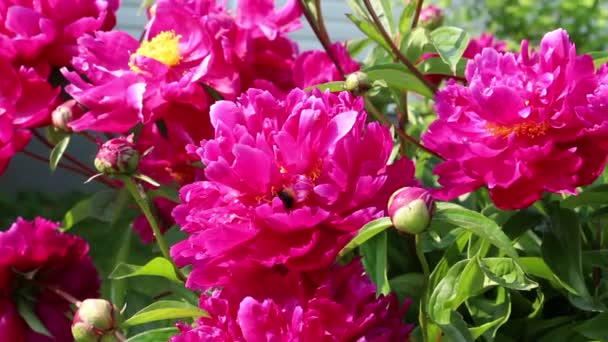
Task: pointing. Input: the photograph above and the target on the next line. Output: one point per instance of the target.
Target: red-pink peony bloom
(50, 258)
(289, 182)
(45, 31)
(515, 127)
(315, 67)
(339, 305)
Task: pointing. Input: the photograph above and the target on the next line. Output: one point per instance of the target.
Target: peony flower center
(529, 129)
(164, 47)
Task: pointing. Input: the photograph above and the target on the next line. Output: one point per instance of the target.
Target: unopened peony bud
(357, 83)
(65, 113)
(410, 209)
(117, 156)
(431, 17)
(95, 320)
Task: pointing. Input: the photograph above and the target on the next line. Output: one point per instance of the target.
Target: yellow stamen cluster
(164, 47)
(529, 129)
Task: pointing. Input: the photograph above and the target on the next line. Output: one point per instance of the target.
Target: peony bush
(422, 183)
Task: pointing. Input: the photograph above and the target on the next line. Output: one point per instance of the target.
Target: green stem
(425, 270)
(144, 203)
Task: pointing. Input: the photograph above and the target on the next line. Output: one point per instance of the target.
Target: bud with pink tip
(431, 17)
(95, 320)
(117, 156)
(411, 209)
(65, 113)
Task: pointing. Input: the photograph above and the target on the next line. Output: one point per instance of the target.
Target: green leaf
(599, 58)
(399, 77)
(489, 314)
(463, 280)
(155, 335)
(385, 14)
(158, 266)
(165, 309)
(370, 30)
(105, 206)
(405, 20)
(537, 267)
(597, 195)
(522, 221)
(26, 311)
(506, 272)
(408, 285)
(476, 223)
(331, 86)
(415, 43)
(595, 328)
(436, 66)
(58, 152)
(375, 261)
(118, 286)
(356, 46)
(450, 43)
(561, 250)
(367, 232)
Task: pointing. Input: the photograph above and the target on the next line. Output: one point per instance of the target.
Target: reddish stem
(412, 68)
(321, 33)
(65, 154)
(417, 13)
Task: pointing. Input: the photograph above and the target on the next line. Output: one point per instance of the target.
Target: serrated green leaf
(165, 309)
(155, 335)
(58, 151)
(399, 77)
(26, 311)
(367, 232)
(476, 223)
(158, 266)
(450, 43)
(375, 261)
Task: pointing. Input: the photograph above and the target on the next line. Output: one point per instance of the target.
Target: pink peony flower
(486, 40)
(187, 45)
(26, 95)
(515, 127)
(289, 182)
(315, 67)
(340, 305)
(46, 31)
(50, 258)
